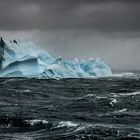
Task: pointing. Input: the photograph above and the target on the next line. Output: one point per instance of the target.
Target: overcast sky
(109, 29)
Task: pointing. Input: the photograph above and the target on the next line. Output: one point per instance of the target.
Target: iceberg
(24, 59)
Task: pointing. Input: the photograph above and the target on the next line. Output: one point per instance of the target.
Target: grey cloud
(99, 15)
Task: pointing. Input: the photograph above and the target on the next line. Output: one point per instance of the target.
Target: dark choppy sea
(70, 109)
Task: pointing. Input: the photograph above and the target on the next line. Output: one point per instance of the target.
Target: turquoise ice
(25, 59)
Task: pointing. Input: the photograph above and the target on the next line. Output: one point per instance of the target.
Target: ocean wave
(125, 94)
(91, 96)
(20, 122)
(38, 128)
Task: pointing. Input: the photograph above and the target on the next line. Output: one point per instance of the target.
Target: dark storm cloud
(100, 15)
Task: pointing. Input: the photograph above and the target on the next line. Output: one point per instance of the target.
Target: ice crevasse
(24, 59)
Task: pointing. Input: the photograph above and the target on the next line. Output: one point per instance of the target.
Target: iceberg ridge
(24, 59)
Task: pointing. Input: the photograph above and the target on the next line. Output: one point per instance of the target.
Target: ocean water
(70, 109)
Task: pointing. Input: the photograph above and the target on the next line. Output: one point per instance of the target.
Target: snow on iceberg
(24, 59)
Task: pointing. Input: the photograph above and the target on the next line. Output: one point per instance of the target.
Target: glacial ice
(24, 59)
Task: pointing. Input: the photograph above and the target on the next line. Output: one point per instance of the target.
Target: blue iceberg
(23, 59)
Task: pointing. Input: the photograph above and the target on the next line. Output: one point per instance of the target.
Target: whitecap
(123, 110)
(125, 94)
(67, 124)
(129, 94)
(114, 101)
(26, 90)
(114, 95)
(34, 122)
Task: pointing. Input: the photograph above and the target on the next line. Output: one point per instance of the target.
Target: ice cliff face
(24, 59)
